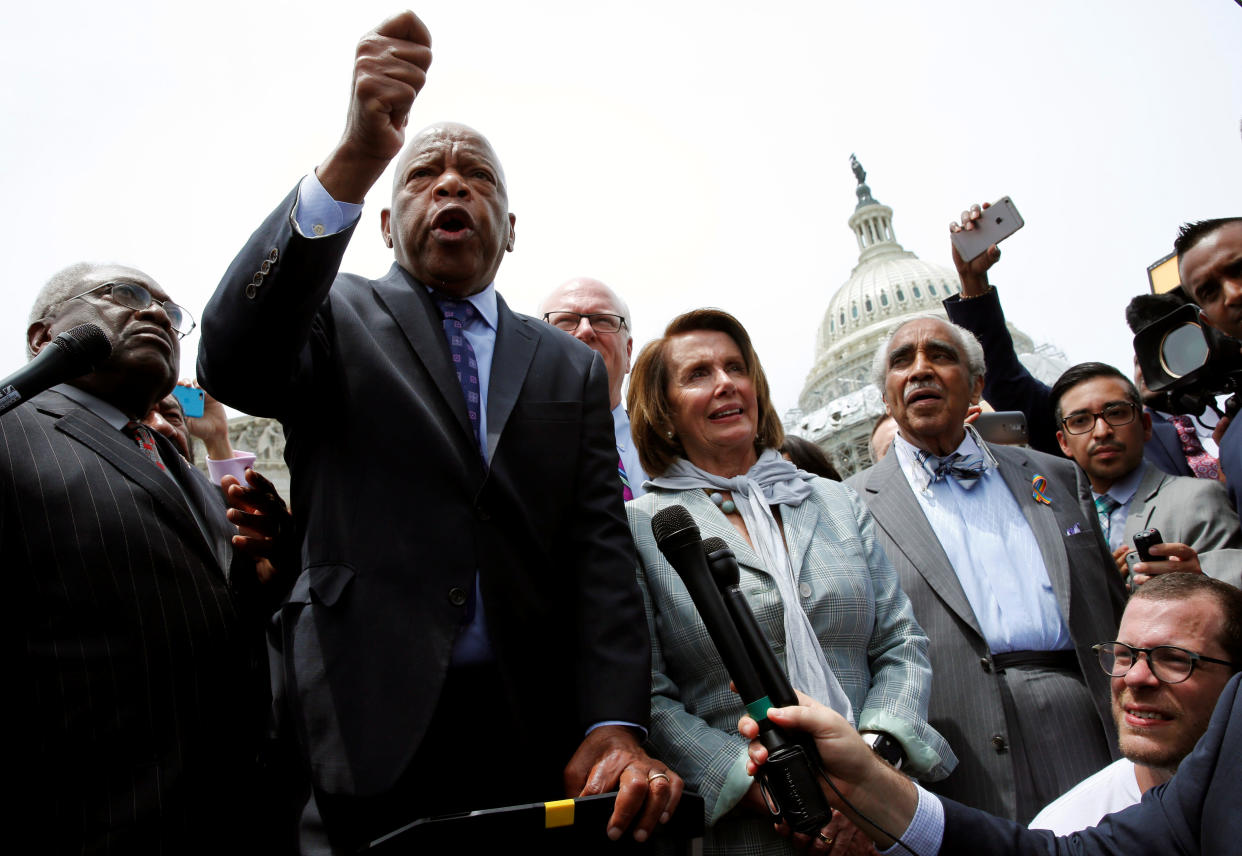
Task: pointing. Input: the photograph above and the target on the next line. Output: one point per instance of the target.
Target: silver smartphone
(1007, 427)
(1000, 220)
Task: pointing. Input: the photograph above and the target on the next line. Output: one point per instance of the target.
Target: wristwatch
(886, 747)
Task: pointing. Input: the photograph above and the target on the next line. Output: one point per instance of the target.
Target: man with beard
(1104, 428)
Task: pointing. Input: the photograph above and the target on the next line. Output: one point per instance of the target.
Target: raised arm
(1007, 385)
(259, 329)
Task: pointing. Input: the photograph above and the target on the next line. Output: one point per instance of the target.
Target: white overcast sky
(687, 153)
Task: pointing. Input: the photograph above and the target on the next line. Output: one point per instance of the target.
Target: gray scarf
(773, 481)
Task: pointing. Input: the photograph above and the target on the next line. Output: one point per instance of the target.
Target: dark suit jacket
(1196, 812)
(1231, 462)
(966, 705)
(141, 693)
(1009, 386)
(397, 511)
(1164, 449)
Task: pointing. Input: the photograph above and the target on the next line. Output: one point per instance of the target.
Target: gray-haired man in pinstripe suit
(1000, 552)
(141, 684)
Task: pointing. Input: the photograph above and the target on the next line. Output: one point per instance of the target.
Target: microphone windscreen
(87, 343)
(670, 521)
(714, 543)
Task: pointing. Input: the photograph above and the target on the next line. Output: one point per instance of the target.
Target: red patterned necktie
(1203, 465)
(142, 435)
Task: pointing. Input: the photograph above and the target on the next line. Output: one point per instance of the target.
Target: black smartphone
(1144, 541)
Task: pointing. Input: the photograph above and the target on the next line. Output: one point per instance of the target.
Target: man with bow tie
(1002, 557)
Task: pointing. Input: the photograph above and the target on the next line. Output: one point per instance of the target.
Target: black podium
(558, 828)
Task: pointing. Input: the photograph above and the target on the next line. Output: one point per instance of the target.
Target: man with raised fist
(467, 630)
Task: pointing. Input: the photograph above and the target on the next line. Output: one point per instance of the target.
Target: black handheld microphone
(789, 778)
(71, 354)
(723, 566)
(797, 772)
(677, 536)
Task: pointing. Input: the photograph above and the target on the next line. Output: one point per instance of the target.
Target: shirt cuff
(640, 729)
(735, 786)
(317, 215)
(925, 833)
(234, 466)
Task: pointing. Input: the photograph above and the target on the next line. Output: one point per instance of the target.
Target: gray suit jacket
(1190, 511)
(966, 703)
(858, 612)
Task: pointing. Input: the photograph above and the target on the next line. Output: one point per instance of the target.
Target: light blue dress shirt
(993, 552)
(1122, 491)
(626, 451)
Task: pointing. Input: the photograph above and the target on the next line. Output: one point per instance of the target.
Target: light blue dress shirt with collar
(626, 451)
(993, 552)
(1122, 491)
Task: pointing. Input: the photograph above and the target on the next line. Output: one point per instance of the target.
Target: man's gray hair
(965, 340)
(63, 285)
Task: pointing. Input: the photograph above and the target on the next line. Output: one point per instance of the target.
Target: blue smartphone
(191, 400)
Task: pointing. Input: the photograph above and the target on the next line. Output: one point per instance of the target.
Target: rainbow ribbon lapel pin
(1037, 489)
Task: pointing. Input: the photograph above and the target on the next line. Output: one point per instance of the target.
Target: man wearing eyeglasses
(1104, 428)
(595, 315)
(1179, 642)
(141, 682)
(1184, 450)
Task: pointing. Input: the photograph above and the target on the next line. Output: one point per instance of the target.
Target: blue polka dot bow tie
(967, 469)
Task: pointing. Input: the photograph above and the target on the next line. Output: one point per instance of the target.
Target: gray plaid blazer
(860, 614)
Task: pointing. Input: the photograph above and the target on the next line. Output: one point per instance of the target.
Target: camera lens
(1183, 350)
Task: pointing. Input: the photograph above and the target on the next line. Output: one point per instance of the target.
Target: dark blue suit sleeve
(1007, 384)
(1231, 461)
(1195, 813)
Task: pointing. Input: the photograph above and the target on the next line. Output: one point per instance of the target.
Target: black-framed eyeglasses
(1170, 664)
(1116, 414)
(134, 296)
(601, 322)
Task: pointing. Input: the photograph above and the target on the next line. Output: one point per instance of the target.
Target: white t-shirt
(1085, 804)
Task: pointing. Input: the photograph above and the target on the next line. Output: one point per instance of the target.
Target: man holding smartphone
(1103, 427)
(1009, 386)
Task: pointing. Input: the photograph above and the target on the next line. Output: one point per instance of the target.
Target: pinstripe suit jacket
(966, 704)
(862, 619)
(1189, 511)
(141, 692)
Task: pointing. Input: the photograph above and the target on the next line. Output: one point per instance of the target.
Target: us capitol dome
(839, 404)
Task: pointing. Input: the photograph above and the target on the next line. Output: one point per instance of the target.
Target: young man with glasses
(1102, 426)
(1179, 642)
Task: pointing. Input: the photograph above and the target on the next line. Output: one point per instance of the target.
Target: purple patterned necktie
(1202, 464)
(626, 493)
(457, 314)
(141, 435)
